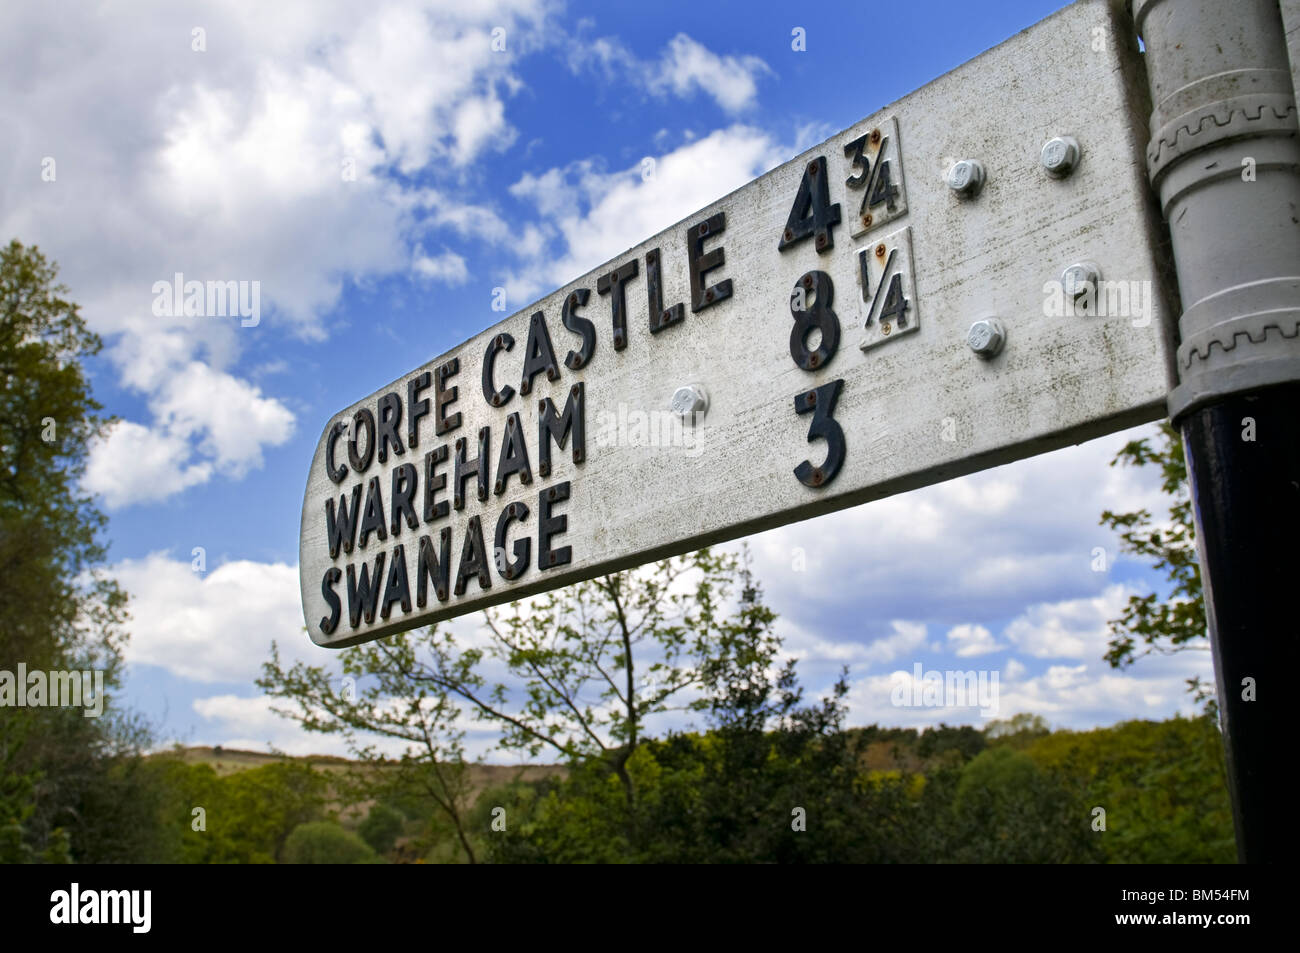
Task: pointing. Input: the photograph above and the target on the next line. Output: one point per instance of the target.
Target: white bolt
(966, 177)
(1080, 277)
(690, 402)
(1060, 155)
(986, 337)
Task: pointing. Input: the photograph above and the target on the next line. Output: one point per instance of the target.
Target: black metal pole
(1224, 158)
(1243, 458)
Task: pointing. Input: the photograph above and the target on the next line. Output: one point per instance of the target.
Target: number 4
(812, 213)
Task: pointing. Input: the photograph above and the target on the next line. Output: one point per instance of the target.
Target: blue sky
(479, 169)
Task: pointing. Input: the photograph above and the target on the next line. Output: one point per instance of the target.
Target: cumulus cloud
(596, 215)
(967, 640)
(134, 463)
(1074, 628)
(205, 421)
(685, 68)
(258, 147)
(215, 626)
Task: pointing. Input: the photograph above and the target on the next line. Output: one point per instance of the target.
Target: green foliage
(1162, 784)
(431, 775)
(64, 793)
(325, 842)
(1007, 810)
(245, 817)
(1149, 623)
(1018, 731)
(381, 828)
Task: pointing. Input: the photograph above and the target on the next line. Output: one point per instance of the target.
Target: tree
(381, 828)
(585, 668)
(376, 698)
(325, 842)
(1150, 624)
(58, 610)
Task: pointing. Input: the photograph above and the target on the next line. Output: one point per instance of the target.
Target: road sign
(965, 278)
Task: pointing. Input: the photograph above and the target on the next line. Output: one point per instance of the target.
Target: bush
(324, 842)
(381, 828)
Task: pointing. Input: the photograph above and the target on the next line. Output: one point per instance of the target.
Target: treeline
(1013, 793)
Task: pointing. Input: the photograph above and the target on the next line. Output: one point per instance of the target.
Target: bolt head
(966, 177)
(986, 337)
(689, 402)
(1079, 278)
(1060, 155)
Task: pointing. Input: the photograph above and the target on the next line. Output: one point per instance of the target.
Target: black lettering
(390, 416)
(553, 426)
(514, 456)
(416, 407)
(336, 474)
(820, 401)
(612, 284)
(522, 545)
(362, 419)
(660, 317)
(402, 498)
(578, 325)
(396, 588)
(372, 520)
(343, 529)
(444, 397)
(365, 595)
(434, 482)
(327, 583)
(433, 566)
(467, 468)
(473, 560)
(502, 342)
(703, 262)
(812, 215)
(538, 354)
(549, 526)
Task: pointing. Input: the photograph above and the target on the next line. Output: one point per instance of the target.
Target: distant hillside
(227, 761)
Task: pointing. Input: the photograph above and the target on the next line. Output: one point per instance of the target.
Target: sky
(379, 170)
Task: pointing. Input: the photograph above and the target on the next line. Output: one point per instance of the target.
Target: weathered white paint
(914, 411)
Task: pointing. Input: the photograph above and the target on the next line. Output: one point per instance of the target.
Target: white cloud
(687, 66)
(684, 68)
(265, 157)
(969, 640)
(907, 637)
(205, 421)
(1073, 628)
(215, 626)
(597, 215)
(134, 464)
(448, 267)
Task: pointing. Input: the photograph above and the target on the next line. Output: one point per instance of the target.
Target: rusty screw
(875, 137)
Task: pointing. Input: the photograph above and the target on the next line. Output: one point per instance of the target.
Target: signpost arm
(1224, 158)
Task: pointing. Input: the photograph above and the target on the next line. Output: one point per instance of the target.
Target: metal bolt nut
(1080, 277)
(986, 337)
(966, 177)
(1060, 155)
(690, 402)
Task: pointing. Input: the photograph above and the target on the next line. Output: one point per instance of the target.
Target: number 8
(817, 285)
